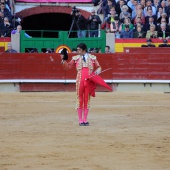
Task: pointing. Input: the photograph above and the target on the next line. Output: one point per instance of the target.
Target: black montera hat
(64, 52)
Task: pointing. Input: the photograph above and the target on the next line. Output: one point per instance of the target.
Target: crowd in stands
(125, 18)
(135, 18)
(8, 20)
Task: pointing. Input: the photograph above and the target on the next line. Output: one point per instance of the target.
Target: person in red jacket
(85, 64)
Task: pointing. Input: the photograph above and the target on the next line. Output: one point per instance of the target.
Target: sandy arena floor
(128, 131)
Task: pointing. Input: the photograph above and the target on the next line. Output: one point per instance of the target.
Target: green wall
(62, 39)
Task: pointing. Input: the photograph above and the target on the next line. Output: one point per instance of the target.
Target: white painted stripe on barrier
(73, 81)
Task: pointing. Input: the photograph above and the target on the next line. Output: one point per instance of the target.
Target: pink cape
(91, 82)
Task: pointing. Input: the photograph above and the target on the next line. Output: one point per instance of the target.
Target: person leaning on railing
(18, 30)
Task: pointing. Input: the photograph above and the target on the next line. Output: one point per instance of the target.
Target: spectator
(10, 50)
(164, 7)
(139, 33)
(93, 50)
(151, 22)
(138, 22)
(139, 14)
(1, 17)
(96, 2)
(110, 19)
(127, 21)
(148, 43)
(131, 5)
(34, 50)
(163, 21)
(119, 6)
(168, 9)
(149, 6)
(143, 3)
(125, 16)
(163, 15)
(124, 13)
(135, 11)
(16, 20)
(165, 44)
(151, 33)
(115, 27)
(81, 24)
(159, 14)
(49, 50)
(5, 11)
(127, 33)
(107, 49)
(150, 14)
(18, 30)
(107, 8)
(100, 50)
(6, 28)
(163, 33)
(156, 4)
(102, 4)
(7, 4)
(135, 4)
(94, 22)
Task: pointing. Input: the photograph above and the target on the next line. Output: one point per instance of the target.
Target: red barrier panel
(124, 66)
(147, 50)
(48, 66)
(42, 66)
(2, 49)
(141, 67)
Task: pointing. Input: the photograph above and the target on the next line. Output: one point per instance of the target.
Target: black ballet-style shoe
(81, 124)
(86, 124)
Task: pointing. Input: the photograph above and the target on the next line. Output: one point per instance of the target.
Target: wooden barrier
(2, 49)
(122, 43)
(146, 50)
(48, 70)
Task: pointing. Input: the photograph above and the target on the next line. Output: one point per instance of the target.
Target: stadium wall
(117, 45)
(43, 72)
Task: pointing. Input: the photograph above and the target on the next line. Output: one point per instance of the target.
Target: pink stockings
(84, 119)
(86, 111)
(83, 97)
(79, 111)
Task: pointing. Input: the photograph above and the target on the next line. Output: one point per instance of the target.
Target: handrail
(74, 81)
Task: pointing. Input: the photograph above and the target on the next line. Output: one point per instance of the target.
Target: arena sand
(128, 131)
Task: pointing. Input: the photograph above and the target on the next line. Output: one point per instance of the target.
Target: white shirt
(85, 55)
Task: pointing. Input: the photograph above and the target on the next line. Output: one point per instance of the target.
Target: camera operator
(80, 22)
(94, 21)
